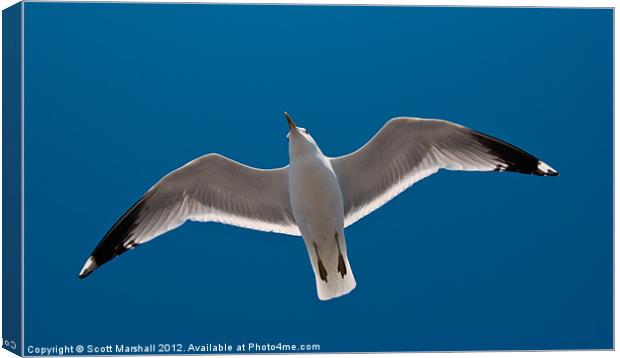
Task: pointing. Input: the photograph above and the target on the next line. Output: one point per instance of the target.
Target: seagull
(315, 196)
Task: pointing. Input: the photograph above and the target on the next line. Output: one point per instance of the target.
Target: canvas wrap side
(12, 178)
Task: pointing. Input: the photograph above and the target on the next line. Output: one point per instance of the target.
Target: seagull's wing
(407, 150)
(210, 188)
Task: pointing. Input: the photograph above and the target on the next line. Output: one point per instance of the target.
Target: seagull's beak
(291, 124)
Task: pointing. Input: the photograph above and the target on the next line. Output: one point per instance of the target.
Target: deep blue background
(117, 95)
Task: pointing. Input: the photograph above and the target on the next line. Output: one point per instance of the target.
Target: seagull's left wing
(407, 150)
(210, 188)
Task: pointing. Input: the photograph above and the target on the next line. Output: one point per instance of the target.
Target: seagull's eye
(305, 130)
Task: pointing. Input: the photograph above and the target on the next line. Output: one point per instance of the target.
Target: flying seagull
(315, 196)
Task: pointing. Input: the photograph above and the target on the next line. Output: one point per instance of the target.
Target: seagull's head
(299, 139)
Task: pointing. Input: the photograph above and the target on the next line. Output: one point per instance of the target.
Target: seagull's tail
(336, 285)
(332, 271)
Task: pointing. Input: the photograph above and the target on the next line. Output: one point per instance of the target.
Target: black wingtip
(115, 242)
(513, 159)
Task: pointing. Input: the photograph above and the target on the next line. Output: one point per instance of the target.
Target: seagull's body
(316, 196)
(316, 201)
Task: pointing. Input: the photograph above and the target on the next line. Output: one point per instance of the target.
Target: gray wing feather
(215, 188)
(407, 150)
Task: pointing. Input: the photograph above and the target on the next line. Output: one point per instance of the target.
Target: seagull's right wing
(210, 188)
(407, 150)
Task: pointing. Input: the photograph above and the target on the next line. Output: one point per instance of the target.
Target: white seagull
(315, 196)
